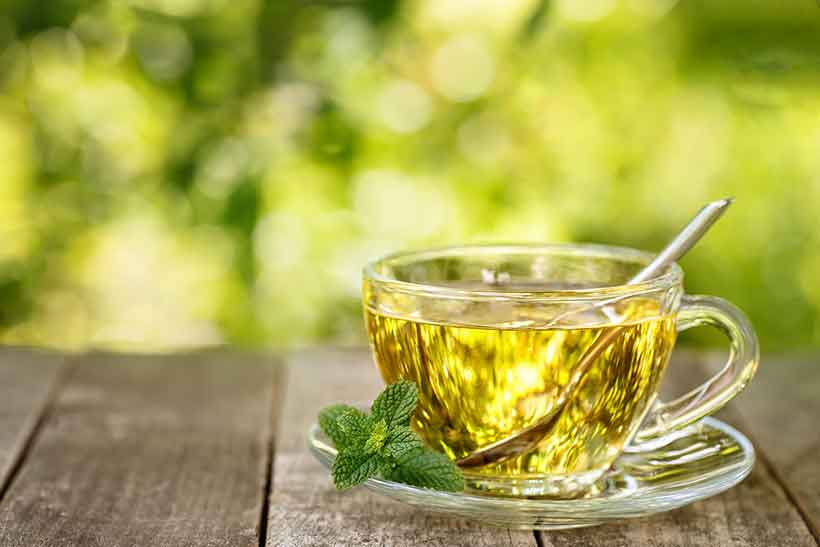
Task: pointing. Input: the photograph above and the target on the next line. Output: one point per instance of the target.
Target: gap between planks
(66, 365)
(780, 409)
(280, 378)
(736, 411)
(784, 486)
(305, 508)
(199, 415)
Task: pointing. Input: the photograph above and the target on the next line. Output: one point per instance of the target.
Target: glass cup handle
(722, 387)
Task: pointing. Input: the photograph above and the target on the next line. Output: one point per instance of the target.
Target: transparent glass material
(490, 335)
(693, 463)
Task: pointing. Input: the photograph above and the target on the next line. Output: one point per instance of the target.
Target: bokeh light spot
(463, 68)
(403, 106)
(391, 203)
(164, 50)
(220, 171)
(281, 241)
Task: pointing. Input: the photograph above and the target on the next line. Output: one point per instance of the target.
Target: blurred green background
(179, 173)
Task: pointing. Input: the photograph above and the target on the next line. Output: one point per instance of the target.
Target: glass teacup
(490, 334)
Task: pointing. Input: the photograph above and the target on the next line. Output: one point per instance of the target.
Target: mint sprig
(383, 444)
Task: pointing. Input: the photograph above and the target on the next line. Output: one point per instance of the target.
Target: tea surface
(477, 385)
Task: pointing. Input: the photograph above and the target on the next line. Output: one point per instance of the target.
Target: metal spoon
(526, 439)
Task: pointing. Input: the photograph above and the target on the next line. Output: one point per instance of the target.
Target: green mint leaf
(384, 444)
(356, 427)
(377, 438)
(328, 423)
(402, 439)
(353, 466)
(428, 469)
(396, 404)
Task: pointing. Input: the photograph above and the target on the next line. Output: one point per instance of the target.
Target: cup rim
(672, 277)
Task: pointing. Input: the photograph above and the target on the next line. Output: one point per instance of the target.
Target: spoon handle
(684, 241)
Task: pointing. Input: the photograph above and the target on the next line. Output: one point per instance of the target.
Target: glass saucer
(691, 464)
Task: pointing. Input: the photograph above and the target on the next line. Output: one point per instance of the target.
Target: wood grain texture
(755, 513)
(306, 510)
(150, 450)
(173, 451)
(27, 379)
(316, 378)
(781, 411)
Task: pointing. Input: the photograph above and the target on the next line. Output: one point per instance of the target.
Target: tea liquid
(479, 384)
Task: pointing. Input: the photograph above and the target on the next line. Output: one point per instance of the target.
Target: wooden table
(208, 449)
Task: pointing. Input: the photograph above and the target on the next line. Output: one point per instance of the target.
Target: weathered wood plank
(307, 511)
(781, 409)
(316, 378)
(757, 512)
(27, 380)
(305, 508)
(148, 450)
(754, 513)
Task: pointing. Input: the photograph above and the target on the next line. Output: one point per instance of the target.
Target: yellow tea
(479, 384)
